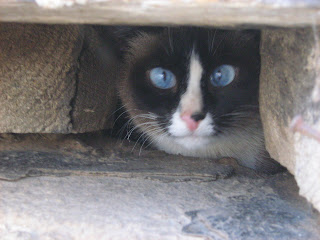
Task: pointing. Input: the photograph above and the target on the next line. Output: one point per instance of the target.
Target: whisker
(122, 128)
(160, 137)
(212, 41)
(142, 134)
(153, 132)
(170, 40)
(137, 126)
(219, 45)
(123, 106)
(147, 131)
(127, 124)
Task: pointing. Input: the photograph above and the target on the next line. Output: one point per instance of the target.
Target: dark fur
(146, 48)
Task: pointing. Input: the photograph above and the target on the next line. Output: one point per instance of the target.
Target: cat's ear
(247, 39)
(124, 34)
(252, 36)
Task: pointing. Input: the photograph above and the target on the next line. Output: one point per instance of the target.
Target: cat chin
(193, 142)
(255, 156)
(191, 146)
(232, 145)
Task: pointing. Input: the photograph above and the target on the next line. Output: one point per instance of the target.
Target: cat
(194, 91)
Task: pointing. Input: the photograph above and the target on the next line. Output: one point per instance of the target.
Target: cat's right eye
(162, 78)
(223, 75)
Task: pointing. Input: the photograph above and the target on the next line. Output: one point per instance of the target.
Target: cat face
(194, 91)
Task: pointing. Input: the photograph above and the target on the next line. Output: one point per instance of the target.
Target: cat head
(188, 85)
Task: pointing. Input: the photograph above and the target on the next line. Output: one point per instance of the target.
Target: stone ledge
(146, 205)
(289, 13)
(289, 78)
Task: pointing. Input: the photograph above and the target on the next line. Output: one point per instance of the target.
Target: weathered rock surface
(95, 98)
(60, 79)
(63, 187)
(289, 88)
(158, 12)
(51, 79)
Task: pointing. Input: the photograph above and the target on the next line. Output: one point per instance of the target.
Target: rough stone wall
(59, 79)
(95, 97)
(288, 89)
(42, 73)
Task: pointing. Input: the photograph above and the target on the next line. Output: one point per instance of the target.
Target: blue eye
(222, 75)
(162, 78)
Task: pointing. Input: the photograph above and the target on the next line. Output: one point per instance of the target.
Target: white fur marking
(202, 142)
(191, 100)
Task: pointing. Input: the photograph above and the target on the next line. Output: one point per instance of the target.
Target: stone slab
(289, 13)
(289, 89)
(38, 65)
(93, 199)
(55, 79)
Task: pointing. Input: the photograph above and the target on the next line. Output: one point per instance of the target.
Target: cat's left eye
(162, 78)
(223, 75)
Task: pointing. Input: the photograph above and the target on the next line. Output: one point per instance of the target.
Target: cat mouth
(192, 141)
(193, 135)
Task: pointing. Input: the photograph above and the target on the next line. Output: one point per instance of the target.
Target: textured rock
(63, 187)
(95, 98)
(43, 70)
(290, 66)
(38, 64)
(294, 13)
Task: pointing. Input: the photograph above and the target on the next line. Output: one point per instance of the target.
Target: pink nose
(190, 122)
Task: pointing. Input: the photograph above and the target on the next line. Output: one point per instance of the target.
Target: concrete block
(288, 89)
(51, 79)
